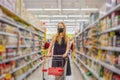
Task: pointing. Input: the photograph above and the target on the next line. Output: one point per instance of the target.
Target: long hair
(58, 37)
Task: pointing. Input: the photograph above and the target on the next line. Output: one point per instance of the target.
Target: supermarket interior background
(93, 28)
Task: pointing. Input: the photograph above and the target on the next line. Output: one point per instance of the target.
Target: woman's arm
(51, 45)
(68, 47)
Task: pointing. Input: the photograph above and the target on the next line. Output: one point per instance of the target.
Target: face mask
(60, 30)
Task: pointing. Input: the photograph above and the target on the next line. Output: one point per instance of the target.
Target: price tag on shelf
(2, 48)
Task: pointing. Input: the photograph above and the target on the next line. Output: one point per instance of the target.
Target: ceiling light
(35, 9)
(59, 16)
(70, 9)
(69, 20)
(43, 16)
(78, 16)
(83, 20)
(89, 9)
(52, 9)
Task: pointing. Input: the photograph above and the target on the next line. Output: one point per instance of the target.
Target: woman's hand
(65, 55)
(49, 55)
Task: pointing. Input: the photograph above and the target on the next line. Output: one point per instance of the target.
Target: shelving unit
(16, 16)
(89, 69)
(110, 67)
(28, 72)
(100, 46)
(23, 46)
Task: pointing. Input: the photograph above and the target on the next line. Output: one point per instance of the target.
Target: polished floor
(76, 75)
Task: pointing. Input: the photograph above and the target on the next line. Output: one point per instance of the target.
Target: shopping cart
(54, 66)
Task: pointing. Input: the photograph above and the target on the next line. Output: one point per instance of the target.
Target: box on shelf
(115, 18)
(118, 1)
(18, 7)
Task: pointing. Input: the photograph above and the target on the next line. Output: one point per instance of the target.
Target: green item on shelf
(101, 72)
(40, 53)
(89, 74)
(27, 58)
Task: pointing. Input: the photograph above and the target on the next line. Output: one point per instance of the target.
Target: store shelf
(14, 46)
(16, 25)
(26, 37)
(12, 23)
(110, 30)
(28, 72)
(11, 46)
(16, 58)
(16, 69)
(91, 25)
(82, 72)
(23, 46)
(17, 17)
(110, 67)
(37, 46)
(113, 9)
(97, 76)
(88, 47)
(8, 34)
(117, 49)
(109, 12)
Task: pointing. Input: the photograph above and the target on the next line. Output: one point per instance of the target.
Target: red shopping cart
(55, 65)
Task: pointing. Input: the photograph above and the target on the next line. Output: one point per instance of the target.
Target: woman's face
(60, 26)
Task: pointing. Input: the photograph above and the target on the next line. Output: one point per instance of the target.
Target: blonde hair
(58, 37)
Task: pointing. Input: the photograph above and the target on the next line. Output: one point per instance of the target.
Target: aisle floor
(76, 75)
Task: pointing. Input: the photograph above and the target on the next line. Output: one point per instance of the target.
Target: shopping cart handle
(57, 55)
(54, 56)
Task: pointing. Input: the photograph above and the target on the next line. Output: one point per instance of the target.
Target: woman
(60, 44)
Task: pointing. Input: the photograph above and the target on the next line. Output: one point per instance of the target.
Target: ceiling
(72, 12)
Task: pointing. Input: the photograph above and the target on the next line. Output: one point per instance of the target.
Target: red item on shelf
(1, 69)
(116, 77)
(46, 46)
(12, 62)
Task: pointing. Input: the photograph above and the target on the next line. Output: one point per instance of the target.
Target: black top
(59, 49)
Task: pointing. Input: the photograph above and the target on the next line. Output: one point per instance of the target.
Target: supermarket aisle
(75, 74)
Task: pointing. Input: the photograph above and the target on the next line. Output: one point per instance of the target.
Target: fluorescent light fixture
(45, 20)
(43, 15)
(83, 20)
(75, 16)
(89, 9)
(70, 9)
(56, 9)
(78, 16)
(52, 9)
(69, 20)
(55, 20)
(62, 16)
(59, 16)
(35, 9)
